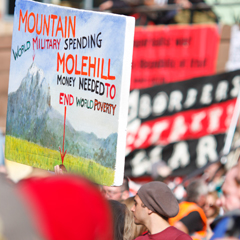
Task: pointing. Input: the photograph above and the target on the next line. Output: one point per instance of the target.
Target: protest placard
(68, 90)
(173, 53)
(187, 115)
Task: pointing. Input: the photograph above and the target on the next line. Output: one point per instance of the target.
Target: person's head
(117, 192)
(15, 218)
(196, 192)
(210, 208)
(122, 221)
(230, 200)
(154, 198)
(137, 230)
(62, 204)
(214, 172)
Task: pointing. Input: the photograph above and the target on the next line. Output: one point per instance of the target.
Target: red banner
(191, 124)
(173, 53)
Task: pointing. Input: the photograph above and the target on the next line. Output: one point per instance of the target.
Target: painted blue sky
(112, 28)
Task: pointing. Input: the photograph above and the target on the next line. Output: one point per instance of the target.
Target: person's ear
(125, 195)
(150, 211)
(201, 200)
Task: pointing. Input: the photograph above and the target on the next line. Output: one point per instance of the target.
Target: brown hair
(214, 194)
(118, 214)
(136, 230)
(122, 221)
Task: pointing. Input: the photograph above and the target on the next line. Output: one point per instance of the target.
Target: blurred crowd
(64, 206)
(60, 205)
(161, 11)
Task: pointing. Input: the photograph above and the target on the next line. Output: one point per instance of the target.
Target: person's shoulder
(221, 225)
(183, 236)
(180, 235)
(142, 237)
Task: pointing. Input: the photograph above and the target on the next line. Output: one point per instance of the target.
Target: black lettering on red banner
(173, 53)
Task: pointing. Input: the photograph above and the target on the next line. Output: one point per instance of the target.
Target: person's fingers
(106, 5)
(184, 3)
(56, 169)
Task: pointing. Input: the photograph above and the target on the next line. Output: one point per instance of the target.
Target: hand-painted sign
(66, 101)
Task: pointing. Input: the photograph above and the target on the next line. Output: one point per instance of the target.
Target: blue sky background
(112, 28)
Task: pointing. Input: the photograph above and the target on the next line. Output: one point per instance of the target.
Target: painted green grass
(31, 154)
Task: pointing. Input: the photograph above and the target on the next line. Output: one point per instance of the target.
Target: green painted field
(31, 154)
